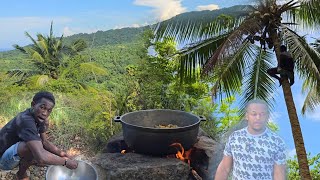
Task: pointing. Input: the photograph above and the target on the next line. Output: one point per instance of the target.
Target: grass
(82, 117)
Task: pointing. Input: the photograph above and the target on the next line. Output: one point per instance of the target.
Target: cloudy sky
(83, 16)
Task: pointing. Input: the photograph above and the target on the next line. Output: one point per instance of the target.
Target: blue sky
(83, 16)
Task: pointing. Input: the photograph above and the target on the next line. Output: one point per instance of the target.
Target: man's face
(257, 116)
(42, 109)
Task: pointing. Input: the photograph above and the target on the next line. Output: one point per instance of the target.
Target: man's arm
(47, 145)
(42, 156)
(224, 168)
(279, 172)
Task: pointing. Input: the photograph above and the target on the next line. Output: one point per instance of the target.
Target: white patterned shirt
(254, 155)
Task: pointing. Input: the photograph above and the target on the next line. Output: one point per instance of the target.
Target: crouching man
(23, 140)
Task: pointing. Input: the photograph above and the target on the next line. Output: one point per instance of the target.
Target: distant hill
(5, 49)
(110, 37)
(131, 35)
(128, 35)
(235, 11)
(115, 49)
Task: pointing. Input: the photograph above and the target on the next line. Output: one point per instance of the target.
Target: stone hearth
(133, 166)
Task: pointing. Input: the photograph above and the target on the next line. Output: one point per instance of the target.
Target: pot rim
(161, 129)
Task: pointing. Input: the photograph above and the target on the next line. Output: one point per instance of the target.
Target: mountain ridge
(132, 34)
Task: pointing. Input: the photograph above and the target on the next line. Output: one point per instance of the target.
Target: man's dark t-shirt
(21, 128)
(286, 61)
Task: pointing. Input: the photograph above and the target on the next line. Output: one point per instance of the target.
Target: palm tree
(235, 52)
(312, 99)
(47, 54)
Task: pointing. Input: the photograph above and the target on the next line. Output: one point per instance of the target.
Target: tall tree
(47, 54)
(228, 48)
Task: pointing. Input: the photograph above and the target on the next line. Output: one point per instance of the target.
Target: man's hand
(71, 164)
(66, 155)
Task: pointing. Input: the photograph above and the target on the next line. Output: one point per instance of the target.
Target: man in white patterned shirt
(254, 152)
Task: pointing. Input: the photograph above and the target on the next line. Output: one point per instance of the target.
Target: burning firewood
(182, 154)
(196, 175)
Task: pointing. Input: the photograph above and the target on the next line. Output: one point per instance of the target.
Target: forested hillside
(113, 75)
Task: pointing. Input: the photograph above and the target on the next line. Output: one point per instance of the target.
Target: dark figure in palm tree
(285, 66)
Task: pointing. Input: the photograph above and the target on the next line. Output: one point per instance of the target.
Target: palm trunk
(293, 117)
(296, 132)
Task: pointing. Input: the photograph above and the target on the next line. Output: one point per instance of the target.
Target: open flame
(181, 153)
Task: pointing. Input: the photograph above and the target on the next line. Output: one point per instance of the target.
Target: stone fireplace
(203, 159)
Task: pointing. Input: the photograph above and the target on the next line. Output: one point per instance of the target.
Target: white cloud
(132, 25)
(314, 115)
(67, 31)
(207, 7)
(163, 9)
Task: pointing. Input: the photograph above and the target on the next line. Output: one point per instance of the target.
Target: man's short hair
(43, 94)
(257, 101)
(283, 48)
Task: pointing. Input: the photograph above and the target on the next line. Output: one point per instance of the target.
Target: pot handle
(117, 119)
(202, 118)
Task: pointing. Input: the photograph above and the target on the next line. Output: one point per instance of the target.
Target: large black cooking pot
(141, 134)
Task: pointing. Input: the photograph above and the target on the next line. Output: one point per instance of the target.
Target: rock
(132, 166)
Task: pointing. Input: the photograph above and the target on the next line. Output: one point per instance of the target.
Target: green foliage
(47, 54)
(111, 37)
(12, 101)
(220, 117)
(97, 111)
(314, 165)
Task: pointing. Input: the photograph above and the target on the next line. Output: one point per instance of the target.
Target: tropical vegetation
(114, 72)
(236, 52)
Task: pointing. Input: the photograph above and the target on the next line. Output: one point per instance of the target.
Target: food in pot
(161, 126)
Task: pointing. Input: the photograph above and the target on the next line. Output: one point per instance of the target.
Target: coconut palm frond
(31, 38)
(91, 67)
(36, 56)
(21, 49)
(38, 80)
(309, 12)
(312, 100)
(229, 75)
(190, 28)
(78, 45)
(24, 74)
(220, 24)
(18, 72)
(290, 5)
(307, 60)
(47, 52)
(196, 54)
(257, 83)
(232, 43)
(43, 44)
